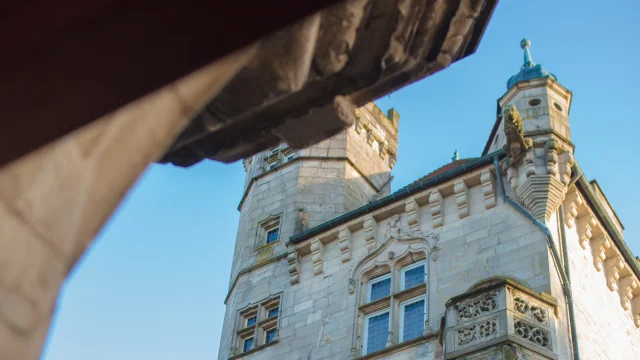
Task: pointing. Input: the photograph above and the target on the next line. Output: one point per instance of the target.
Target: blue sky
(153, 283)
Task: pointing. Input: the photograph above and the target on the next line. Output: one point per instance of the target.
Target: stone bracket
(435, 202)
(317, 256)
(370, 233)
(462, 198)
(412, 210)
(344, 239)
(487, 181)
(294, 267)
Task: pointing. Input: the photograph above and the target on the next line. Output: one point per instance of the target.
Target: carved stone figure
(516, 145)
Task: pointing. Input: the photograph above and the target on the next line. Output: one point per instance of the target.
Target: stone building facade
(511, 255)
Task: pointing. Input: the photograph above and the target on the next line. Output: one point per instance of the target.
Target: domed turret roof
(529, 69)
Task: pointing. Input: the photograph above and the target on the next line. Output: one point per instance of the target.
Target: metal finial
(525, 44)
(456, 156)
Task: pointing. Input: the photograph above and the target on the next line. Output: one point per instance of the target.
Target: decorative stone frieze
(370, 233)
(462, 198)
(487, 181)
(477, 306)
(626, 286)
(573, 201)
(586, 226)
(614, 265)
(599, 247)
(293, 268)
(412, 209)
(541, 194)
(344, 239)
(435, 202)
(316, 256)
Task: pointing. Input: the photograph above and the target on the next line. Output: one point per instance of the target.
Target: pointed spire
(456, 156)
(525, 44)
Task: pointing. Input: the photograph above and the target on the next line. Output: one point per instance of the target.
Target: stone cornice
(302, 158)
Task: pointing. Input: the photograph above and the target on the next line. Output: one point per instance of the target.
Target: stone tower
(288, 191)
(541, 106)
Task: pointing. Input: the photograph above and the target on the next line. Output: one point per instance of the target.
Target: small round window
(534, 102)
(557, 106)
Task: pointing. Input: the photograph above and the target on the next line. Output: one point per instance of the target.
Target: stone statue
(516, 145)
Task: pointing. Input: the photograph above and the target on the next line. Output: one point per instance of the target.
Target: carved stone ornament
(478, 306)
(483, 330)
(521, 305)
(516, 144)
(394, 230)
(352, 286)
(532, 333)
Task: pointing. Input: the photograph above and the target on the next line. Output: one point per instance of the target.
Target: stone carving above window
(532, 333)
(475, 307)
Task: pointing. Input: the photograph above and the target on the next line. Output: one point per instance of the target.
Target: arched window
(393, 301)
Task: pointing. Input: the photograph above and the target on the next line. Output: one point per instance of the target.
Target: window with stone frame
(394, 303)
(257, 326)
(268, 231)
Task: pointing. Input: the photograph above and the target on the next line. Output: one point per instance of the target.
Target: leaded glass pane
(413, 324)
(377, 332)
(270, 335)
(247, 344)
(414, 277)
(272, 312)
(272, 236)
(380, 289)
(251, 321)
